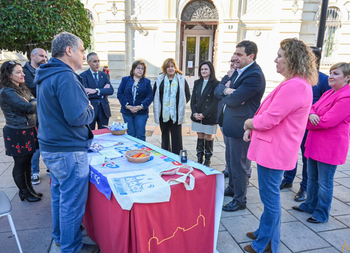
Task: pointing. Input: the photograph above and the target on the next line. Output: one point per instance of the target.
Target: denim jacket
(144, 95)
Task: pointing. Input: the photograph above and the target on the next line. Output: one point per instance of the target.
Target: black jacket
(243, 103)
(18, 113)
(102, 98)
(205, 103)
(29, 72)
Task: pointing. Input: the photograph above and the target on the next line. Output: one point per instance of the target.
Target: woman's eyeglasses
(14, 62)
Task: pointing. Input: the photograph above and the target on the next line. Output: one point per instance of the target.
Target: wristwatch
(98, 91)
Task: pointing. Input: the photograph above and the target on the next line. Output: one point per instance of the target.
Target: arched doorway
(199, 21)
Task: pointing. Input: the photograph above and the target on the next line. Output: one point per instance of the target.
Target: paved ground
(33, 220)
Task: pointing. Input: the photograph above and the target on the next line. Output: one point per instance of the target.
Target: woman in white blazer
(171, 93)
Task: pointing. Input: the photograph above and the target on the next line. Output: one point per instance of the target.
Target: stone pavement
(33, 220)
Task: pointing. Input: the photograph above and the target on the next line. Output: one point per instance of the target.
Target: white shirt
(240, 71)
(92, 73)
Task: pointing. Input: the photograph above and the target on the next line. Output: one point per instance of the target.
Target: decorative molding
(199, 10)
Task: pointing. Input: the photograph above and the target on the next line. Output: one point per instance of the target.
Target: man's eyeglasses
(231, 61)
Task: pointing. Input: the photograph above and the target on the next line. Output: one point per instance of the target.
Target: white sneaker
(35, 178)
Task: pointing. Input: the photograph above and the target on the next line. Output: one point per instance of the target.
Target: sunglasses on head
(14, 62)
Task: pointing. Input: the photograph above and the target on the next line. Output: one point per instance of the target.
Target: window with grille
(331, 36)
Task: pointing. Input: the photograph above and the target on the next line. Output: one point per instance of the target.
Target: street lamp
(114, 9)
(295, 7)
(322, 24)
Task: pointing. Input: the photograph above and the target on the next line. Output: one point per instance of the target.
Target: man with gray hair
(37, 57)
(64, 113)
(98, 87)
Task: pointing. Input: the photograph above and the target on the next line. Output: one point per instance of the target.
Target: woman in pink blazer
(276, 132)
(327, 143)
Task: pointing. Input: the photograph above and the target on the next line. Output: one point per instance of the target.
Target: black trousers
(175, 130)
(100, 118)
(238, 167)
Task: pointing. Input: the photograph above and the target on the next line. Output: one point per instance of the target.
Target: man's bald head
(38, 56)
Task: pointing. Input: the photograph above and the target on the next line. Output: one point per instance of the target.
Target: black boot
(32, 191)
(25, 194)
(30, 185)
(200, 150)
(21, 169)
(208, 152)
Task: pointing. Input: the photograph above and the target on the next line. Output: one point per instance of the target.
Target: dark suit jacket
(321, 87)
(29, 78)
(242, 103)
(89, 82)
(205, 103)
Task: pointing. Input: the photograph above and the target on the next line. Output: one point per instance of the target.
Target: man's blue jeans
(35, 162)
(319, 189)
(270, 221)
(69, 190)
(136, 125)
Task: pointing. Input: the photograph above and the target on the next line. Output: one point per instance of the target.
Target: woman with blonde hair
(327, 143)
(171, 94)
(276, 132)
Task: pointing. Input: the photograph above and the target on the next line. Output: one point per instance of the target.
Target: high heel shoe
(25, 194)
(33, 192)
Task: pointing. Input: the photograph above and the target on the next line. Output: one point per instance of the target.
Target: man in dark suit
(241, 96)
(98, 87)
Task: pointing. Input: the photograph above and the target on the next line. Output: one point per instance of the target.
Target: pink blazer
(328, 142)
(280, 125)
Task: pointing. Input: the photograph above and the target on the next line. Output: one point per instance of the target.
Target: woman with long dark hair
(19, 108)
(204, 107)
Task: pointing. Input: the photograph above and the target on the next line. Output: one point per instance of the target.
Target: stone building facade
(191, 31)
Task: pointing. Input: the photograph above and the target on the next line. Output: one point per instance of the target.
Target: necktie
(96, 81)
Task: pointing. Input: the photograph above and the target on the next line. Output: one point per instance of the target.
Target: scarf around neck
(169, 99)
